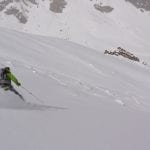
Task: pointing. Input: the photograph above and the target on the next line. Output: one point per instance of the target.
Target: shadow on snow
(16, 101)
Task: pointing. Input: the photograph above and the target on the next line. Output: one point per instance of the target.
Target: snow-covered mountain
(83, 99)
(76, 97)
(88, 22)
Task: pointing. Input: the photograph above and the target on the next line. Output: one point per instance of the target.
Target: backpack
(2, 74)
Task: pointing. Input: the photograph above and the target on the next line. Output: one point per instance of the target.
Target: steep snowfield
(86, 100)
(80, 22)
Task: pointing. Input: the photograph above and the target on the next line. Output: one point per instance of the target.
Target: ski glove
(18, 84)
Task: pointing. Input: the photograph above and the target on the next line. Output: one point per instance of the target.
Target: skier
(6, 77)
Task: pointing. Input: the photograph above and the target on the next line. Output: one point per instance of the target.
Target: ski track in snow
(77, 87)
(37, 104)
(19, 104)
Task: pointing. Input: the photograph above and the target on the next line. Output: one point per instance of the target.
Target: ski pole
(46, 106)
(32, 94)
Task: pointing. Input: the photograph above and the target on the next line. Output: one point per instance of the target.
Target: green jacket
(10, 77)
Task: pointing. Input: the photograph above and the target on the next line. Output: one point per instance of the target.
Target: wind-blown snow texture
(106, 99)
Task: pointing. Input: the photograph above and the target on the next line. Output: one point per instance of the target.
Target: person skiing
(6, 77)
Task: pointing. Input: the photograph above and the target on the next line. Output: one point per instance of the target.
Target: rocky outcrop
(140, 4)
(57, 6)
(17, 8)
(19, 15)
(4, 3)
(122, 52)
(103, 9)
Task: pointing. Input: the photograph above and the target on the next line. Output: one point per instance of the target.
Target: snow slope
(80, 22)
(86, 100)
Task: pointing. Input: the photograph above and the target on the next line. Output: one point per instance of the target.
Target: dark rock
(4, 3)
(57, 6)
(19, 15)
(122, 52)
(141, 4)
(103, 9)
